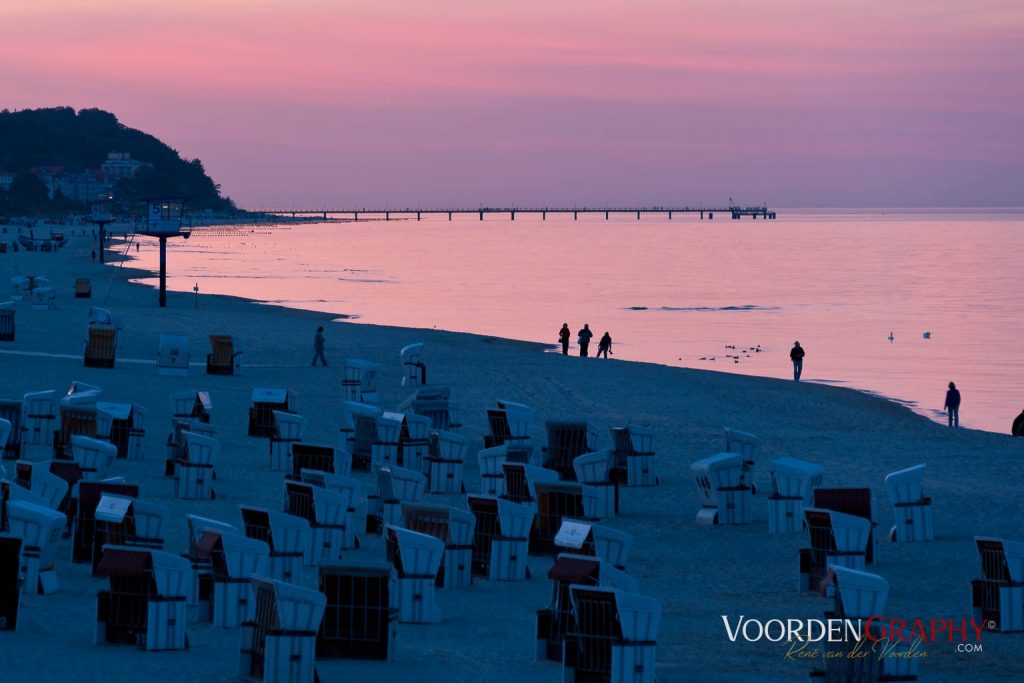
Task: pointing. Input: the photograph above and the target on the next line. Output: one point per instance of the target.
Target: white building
(120, 165)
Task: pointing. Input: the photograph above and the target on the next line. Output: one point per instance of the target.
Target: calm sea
(684, 292)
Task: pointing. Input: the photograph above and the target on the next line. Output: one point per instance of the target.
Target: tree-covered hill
(80, 141)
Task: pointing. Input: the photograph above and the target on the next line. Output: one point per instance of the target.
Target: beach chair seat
(852, 501)
(11, 411)
(997, 598)
(911, 509)
(172, 356)
(223, 356)
(613, 637)
(793, 484)
(38, 417)
(288, 429)
(7, 325)
(287, 535)
(40, 529)
(314, 456)
(388, 434)
(234, 559)
(589, 538)
(279, 644)
(75, 420)
(195, 471)
(83, 288)
(501, 538)
(351, 490)
(836, 539)
(556, 621)
(123, 425)
(416, 558)
(101, 346)
(492, 477)
(434, 403)
(725, 499)
(128, 522)
(595, 470)
(325, 511)
(363, 420)
(446, 462)
(359, 381)
(265, 401)
(84, 522)
(566, 441)
(395, 486)
(93, 456)
(414, 370)
(414, 443)
(454, 527)
(195, 404)
(511, 425)
(633, 446)
(358, 622)
(747, 445)
(146, 603)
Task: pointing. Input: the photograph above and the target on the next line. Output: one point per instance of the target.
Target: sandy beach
(699, 573)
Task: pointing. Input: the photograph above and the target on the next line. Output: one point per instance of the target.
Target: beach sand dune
(699, 573)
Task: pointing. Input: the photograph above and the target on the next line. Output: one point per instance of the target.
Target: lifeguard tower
(163, 220)
(101, 212)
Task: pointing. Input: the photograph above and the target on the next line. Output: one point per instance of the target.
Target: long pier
(734, 212)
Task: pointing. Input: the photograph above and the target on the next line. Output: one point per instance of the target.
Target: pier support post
(387, 215)
(575, 215)
(711, 216)
(163, 272)
(417, 215)
(638, 215)
(355, 215)
(544, 215)
(449, 216)
(513, 214)
(481, 215)
(670, 215)
(606, 215)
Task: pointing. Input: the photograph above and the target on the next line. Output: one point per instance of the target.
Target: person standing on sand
(563, 337)
(605, 345)
(1018, 425)
(796, 354)
(953, 405)
(318, 347)
(583, 339)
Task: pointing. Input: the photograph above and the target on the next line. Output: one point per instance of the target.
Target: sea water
(725, 295)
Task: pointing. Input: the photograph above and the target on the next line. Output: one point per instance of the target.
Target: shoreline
(698, 572)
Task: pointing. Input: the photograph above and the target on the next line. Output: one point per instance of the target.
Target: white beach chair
(416, 558)
(173, 355)
(283, 631)
(40, 529)
(414, 371)
(911, 509)
(446, 463)
(289, 428)
(793, 483)
(725, 499)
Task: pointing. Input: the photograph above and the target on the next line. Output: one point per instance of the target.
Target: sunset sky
(505, 102)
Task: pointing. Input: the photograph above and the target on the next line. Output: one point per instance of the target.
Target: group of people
(583, 337)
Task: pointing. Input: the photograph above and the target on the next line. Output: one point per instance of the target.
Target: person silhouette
(953, 405)
(563, 337)
(583, 339)
(318, 347)
(605, 345)
(1018, 425)
(796, 354)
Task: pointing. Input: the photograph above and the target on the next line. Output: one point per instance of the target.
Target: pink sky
(503, 102)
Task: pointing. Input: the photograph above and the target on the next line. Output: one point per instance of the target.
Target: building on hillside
(120, 165)
(85, 186)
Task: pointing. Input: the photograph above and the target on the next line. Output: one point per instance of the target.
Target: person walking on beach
(953, 405)
(583, 339)
(563, 337)
(605, 345)
(796, 354)
(318, 347)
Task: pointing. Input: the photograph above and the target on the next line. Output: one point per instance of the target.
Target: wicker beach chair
(223, 356)
(83, 288)
(101, 346)
(7, 327)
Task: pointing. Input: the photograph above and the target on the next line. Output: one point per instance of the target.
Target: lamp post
(163, 221)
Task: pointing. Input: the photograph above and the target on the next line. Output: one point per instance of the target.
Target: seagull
(891, 337)
(927, 335)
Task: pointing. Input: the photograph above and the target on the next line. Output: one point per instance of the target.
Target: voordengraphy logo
(877, 636)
